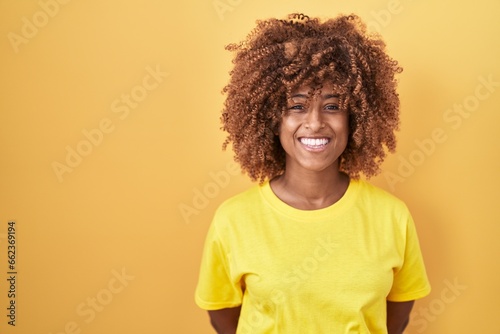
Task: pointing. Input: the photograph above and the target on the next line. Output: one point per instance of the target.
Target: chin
(320, 168)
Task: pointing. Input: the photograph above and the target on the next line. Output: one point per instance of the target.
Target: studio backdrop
(111, 164)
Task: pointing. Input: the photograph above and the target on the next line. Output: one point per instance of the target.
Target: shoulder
(377, 197)
(239, 205)
(241, 200)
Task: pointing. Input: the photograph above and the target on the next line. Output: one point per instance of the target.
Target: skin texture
(312, 179)
(225, 321)
(398, 316)
(302, 78)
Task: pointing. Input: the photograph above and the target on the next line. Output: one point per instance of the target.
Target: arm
(225, 321)
(398, 316)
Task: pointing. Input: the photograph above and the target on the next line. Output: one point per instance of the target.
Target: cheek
(287, 127)
(286, 136)
(340, 122)
(341, 130)
(342, 126)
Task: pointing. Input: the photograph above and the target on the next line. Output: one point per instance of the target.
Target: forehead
(308, 90)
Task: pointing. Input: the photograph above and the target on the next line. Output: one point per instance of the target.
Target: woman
(311, 106)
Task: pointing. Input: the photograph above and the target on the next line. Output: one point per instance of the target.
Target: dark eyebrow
(304, 96)
(325, 96)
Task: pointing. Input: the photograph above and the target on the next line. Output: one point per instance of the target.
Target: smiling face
(314, 130)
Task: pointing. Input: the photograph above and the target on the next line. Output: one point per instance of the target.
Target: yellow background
(119, 209)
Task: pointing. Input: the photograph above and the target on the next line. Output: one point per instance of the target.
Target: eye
(332, 107)
(297, 107)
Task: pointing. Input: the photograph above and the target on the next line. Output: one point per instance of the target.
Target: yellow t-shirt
(311, 271)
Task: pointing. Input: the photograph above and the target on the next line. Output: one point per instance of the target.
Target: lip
(314, 143)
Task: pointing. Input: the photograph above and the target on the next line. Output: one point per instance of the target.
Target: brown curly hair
(279, 56)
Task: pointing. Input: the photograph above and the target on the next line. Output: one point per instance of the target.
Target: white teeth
(315, 142)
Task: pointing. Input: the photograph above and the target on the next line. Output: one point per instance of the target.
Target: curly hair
(279, 56)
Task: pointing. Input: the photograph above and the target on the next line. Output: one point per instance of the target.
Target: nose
(314, 119)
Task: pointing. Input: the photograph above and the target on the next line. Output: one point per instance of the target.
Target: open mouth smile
(314, 144)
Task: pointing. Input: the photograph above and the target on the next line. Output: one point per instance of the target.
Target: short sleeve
(410, 280)
(216, 288)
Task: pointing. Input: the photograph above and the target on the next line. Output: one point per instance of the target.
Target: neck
(309, 190)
